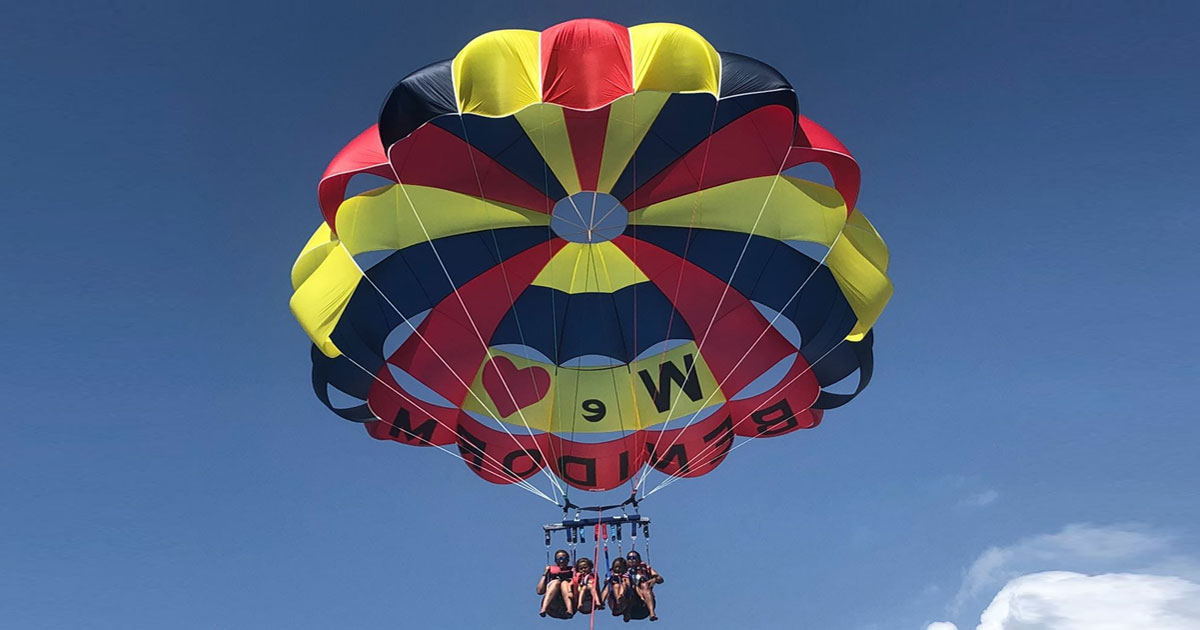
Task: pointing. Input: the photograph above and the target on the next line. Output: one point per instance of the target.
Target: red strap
(596, 558)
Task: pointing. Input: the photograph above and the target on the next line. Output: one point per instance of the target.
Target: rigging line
(637, 413)
(704, 451)
(768, 328)
(525, 485)
(511, 300)
(595, 569)
(724, 293)
(470, 319)
(570, 222)
(615, 205)
(578, 371)
(517, 481)
(421, 336)
(683, 260)
(613, 373)
(582, 229)
(557, 420)
(582, 232)
(571, 198)
(551, 438)
(679, 281)
(777, 315)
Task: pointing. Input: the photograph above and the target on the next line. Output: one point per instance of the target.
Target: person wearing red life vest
(555, 587)
(584, 586)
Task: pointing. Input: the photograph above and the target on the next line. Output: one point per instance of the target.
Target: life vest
(583, 579)
(562, 573)
(640, 573)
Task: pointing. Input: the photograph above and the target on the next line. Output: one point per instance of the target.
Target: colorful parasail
(590, 260)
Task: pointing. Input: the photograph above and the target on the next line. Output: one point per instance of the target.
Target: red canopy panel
(586, 63)
(362, 155)
(814, 143)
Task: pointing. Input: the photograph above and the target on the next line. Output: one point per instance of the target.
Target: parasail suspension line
(679, 282)
(779, 313)
(707, 449)
(521, 483)
(508, 289)
(700, 344)
(435, 352)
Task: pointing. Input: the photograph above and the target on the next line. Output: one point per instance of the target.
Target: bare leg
(568, 595)
(618, 591)
(552, 590)
(582, 598)
(581, 603)
(646, 592)
(618, 596)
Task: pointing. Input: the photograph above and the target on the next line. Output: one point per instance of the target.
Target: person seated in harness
(642, 578)
(558, 598)
(616, 587)
(584, 586)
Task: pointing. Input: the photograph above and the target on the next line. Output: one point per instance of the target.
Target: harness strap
(607, 562)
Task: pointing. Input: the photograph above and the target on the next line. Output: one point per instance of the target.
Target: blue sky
(166, 465)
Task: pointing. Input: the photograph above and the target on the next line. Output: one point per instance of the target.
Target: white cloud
(1078, 547)
(1060, 600)
(980, 499)
(1084, 577)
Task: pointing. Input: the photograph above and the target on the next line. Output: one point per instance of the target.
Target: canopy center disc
(589, 217)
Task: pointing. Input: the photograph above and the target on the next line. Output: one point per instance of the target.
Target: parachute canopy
(591, 259)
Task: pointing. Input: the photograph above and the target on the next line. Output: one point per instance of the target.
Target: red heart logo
(527, 386)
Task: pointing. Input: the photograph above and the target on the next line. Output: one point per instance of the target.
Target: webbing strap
(600, 533)
(607, 562)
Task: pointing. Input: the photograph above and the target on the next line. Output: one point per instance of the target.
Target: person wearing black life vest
(642, 578)
(616, 587)
(558, 598)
